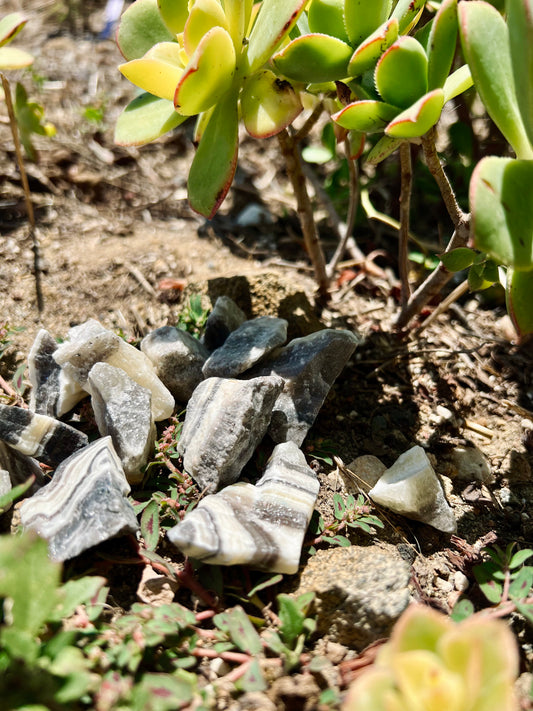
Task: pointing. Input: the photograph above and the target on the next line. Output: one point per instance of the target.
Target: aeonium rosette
(206, 58)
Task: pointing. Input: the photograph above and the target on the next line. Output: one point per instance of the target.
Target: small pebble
(460, 581)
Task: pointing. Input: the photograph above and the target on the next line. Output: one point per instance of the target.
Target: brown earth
(118, 242)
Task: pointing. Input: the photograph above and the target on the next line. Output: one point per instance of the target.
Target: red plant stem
(239, 657)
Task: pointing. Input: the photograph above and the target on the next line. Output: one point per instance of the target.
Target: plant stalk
(291, 155)
(353, 173)
(406, 173)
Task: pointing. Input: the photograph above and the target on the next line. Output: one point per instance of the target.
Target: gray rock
(91, 343)
(84, 504)
(53, 393)
(367, 469)
(263, 525)
(308, 366)
(225, 317)
(225, 421)
(5, 487)
(177, 358)
(21, 468)
(122, 411)
(411, 488)
(245, 346)
(48, 440)
(470, 464)
(360, 593)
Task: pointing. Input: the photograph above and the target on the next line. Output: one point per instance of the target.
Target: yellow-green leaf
(158, 72)
(174, 14)
(14, 58)
(418, 118)
(268, 104)
(10, 26)
(204, 15)
(146, 118)
(274, 21)
(369, 51)
(401, 73)
(327, 16)
(367, 116)
(314, 58)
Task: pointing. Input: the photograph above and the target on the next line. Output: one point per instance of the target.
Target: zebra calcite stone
(21, 467)
(84, 504)
(48, 440)
(91, 343)
(262, 525)
(308, 366)
(246, 346)
(225, 317)
(225, 421)
(178, 358)
(411, 488)
(53, 393)
(122, 410)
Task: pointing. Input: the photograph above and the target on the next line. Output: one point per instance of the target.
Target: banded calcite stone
(225, 317)
(411, 488)
(84, 504)
(21, 468)
(246, 346)
(91, 343)
(122, 410)
(263, 525)
(53, 393)
(225, 421)
(48, 440)
(178, 358)
(308, 366)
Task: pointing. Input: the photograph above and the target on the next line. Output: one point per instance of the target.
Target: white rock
(411, 488)
(471, 465)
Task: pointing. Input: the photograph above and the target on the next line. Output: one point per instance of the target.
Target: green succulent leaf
(441, 44)
(208, 75)
(214, 164)
(362, 18)
(238, 13)
(144, 119)
(13, 494)
(163, 692)
(520, 24)
(158, 72)
(371, 49)
(10, 25)
(314, 58)
(204, 15)
(418, 118)
(460, 80)
(458, 259)
(486, 47)
(408, 12)
(268, 104)
(141, 26)
(274, 21)
(174, 14)
(502, 223)
(150, 525)
(401, 73)
(237, 625)
(366, 116)
(383, 149)
(519, 294)
(327, 16)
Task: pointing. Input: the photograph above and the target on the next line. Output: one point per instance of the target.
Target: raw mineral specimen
(225, 317)
(225, 421)
(122, 410)
(53, 392)
(262, 525)
(84, 504)
(411, 488)
(308, 366)
(21, 467)
(48, 440)
(5, 486)
(91, 343)
(178, 358)
(246, 346)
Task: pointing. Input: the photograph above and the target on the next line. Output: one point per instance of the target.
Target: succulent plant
(12, 57)
(431, 663)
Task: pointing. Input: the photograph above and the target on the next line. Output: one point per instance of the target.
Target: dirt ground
(118, 243)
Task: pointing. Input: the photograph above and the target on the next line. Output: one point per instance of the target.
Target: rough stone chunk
(178, 359)
(5, 487)
(53, 392)
(48, 440)
(360, 593)
(122, 410)
(262, 525)
(21, 467)
(91, 343)
(308, 366)
(225, 317)
(84, 504)
(225, 421)
(411, 488)
(245, 346)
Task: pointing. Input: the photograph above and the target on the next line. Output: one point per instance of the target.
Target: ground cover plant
(78, 634)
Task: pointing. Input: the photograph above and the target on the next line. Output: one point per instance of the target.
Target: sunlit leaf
(327, 16)
(268, 104)
(10, 25)
(408, 12)
(237, 625)
(204, 15)
(174, 14)
(366, 116)
(158, 72)
(144, 119)
(441, 44)
(14, 58)
(371, 49)
(460, 80)
(274, 21)
(520, 24)
(314, 58)
(362, 18)
(401, 73)
(418, 118)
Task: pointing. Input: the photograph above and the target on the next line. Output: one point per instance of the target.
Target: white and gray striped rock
(84, 504)
(225, 317)
(21, 468)
(308, 366)
(53, 393)
(45, 438)
(263, 525)
(411, 488)
(225, 421)
(5, 485)
(122, 410)
(178, 358)
(91, 343)
(245, 346)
